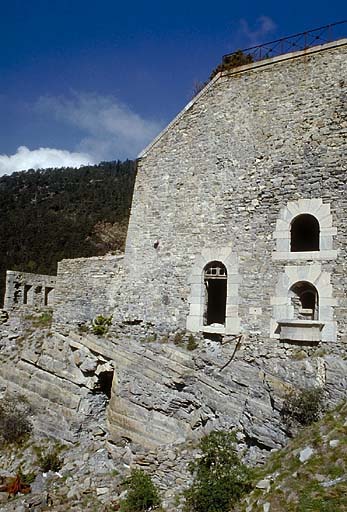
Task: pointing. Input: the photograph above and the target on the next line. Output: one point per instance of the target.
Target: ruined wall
(28, 291)
(85, 289)
(214, 186)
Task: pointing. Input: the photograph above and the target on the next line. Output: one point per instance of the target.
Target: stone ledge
(306, 255)
(300, 330)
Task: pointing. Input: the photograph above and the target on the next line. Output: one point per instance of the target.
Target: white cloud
(41, 158)
(264, 26)
(109, 129)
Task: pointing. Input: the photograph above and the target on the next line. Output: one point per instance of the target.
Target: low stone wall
(28, 291)
(84, 289)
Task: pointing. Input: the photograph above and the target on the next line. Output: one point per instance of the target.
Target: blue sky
(85, 81)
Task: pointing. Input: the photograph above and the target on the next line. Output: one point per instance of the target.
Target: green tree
(142, 493)
(220, 476)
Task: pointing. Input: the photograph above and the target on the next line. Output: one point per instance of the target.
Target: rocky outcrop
(131, 395)
(158, 392)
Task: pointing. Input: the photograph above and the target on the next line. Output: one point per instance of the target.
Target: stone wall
(85, 288)
(216, 185)
(28, 291)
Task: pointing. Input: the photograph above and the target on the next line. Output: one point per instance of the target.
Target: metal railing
(297, 42)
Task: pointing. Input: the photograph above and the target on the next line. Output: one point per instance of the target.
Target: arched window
(304, 233)
(304, 299)
(215, 281)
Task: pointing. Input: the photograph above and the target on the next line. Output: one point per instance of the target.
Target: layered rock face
(159, 392)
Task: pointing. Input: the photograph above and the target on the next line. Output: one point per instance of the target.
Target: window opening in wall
(27, 295)
(48, 295)
(304, 299)
(215, 280)
(304, 233)
(17, 293)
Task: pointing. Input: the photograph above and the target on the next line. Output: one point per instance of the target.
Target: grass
(297, 486)
(42, 321)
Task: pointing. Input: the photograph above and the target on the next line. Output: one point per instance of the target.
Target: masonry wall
(28, 291)
(214, 184)
(85, 289)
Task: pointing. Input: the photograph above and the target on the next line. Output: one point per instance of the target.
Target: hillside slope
(309, 474)
(48, 215)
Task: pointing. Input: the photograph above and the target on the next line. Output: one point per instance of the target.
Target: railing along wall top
(296, 42)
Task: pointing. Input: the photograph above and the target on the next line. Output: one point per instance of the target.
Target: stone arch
(195, 319)
(308, 209)
(305, 300)
(282, 304)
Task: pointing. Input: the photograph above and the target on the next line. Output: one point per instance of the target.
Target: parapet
(86, 287)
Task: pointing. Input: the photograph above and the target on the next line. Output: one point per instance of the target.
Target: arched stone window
(214, 292)
(303, 305)
(304, 299)
(215, 281)
(304, 233)
(304, 230)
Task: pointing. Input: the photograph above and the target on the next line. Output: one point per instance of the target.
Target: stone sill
(300, 330)
(305, 255)
(213, 329)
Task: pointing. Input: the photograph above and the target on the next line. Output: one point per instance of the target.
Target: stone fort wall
(255, 148)
(25, 291)
(85, 289)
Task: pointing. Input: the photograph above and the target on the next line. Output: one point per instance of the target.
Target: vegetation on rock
(15, 425)
(315, 483)
(220, 478)
(303, 407)
(100, 324)
(142, 493)
(50, 461)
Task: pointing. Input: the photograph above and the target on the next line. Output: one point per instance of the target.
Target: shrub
(192, 344)
(220, 478)
(26, 478)
(50, 461)
(238, 58)
(142, 493)
(100, 324)
(303, 407)
(14, 423)
(178, 339)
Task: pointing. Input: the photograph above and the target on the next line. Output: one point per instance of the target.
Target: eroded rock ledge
(147, 399)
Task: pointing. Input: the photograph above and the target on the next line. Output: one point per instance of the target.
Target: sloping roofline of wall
(241, 69)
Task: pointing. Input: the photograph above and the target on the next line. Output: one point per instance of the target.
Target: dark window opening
(48, 295)
(27, 296)
(105, 383)
(305, 233)
(304, 298)
(17, 296)
(215, 278)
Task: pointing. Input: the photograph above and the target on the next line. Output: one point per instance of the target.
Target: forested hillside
(48, 215)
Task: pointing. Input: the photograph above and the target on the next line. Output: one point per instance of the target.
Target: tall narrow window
(28, 294)
(215, 280)
(304, 233)
(48, 298)
(304, 299)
